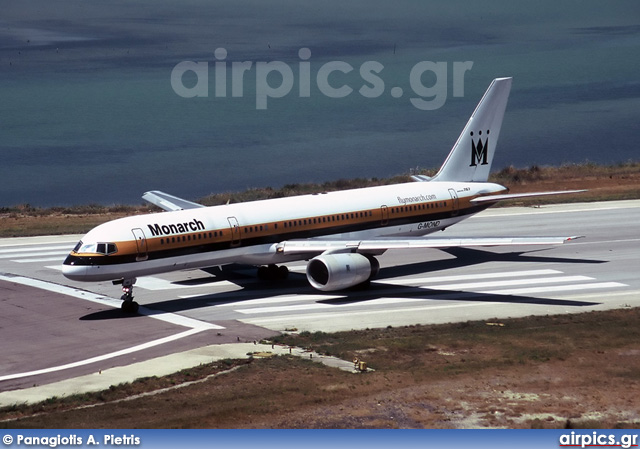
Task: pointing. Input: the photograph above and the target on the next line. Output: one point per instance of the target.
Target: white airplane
(339, 233)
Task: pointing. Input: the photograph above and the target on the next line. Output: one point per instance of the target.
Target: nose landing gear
(128, 304)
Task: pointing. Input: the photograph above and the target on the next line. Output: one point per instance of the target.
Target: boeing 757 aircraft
(339, 233)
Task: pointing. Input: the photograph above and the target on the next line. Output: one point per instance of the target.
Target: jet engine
(330, 272)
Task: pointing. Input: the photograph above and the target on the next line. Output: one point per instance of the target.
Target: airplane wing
(379, 246)
(168, 202)
(513, 196)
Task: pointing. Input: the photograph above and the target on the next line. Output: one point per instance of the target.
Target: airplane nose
(74, 272)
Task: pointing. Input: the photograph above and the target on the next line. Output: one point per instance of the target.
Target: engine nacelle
(332, 272)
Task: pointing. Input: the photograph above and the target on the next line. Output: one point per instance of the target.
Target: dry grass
(27, 221)
(570, 370)
(604, 182)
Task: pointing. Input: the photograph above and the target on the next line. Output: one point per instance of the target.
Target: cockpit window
(88, 248)
(96, 248)
(77, 247)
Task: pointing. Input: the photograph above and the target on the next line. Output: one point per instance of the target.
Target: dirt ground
(538, 372)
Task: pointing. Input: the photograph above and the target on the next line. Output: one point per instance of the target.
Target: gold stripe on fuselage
(332, 223)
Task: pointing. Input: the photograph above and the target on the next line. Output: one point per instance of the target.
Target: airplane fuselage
(252, 232)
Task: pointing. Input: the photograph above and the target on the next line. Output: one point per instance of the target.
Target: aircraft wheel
(263, 273)
(273, 273)
(283, 272)
(130, 307)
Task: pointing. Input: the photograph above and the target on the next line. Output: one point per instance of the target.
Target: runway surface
(52, 328)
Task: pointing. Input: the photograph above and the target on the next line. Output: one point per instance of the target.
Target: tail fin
(471, 156)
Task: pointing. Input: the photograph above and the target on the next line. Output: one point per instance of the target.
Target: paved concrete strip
(560, 208)
(160, 366)
(111, 302)
(464, 277)
(103, 357)
(62, 250)
(71, 240)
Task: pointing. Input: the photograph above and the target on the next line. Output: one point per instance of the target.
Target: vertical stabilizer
(471, 157)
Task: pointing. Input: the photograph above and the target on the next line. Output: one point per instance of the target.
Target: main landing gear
(273, 273)
(128, 304)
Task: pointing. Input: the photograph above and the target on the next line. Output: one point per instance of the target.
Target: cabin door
(454, 198)
(235, 231)
(385, 215)
(141, 244)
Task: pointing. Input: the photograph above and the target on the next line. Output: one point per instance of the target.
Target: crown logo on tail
(479, 150)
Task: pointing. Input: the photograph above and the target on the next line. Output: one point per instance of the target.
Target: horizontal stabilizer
(514, 196)
(168, 202)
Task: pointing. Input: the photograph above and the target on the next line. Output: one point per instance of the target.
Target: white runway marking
(32, 254)
(449, 296)
(66, 249)
(44, 259)
(370, 303)
(556, 288)
(103, 357)
(466, 277)
(35, 252)
(24, 242)
(474, 285)
(560, 209)
(320, 316)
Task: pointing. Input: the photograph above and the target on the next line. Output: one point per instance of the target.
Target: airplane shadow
(297, 284)
(465, 257)
(111, 314)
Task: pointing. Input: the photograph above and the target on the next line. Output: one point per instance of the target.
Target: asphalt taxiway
(53, 329)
